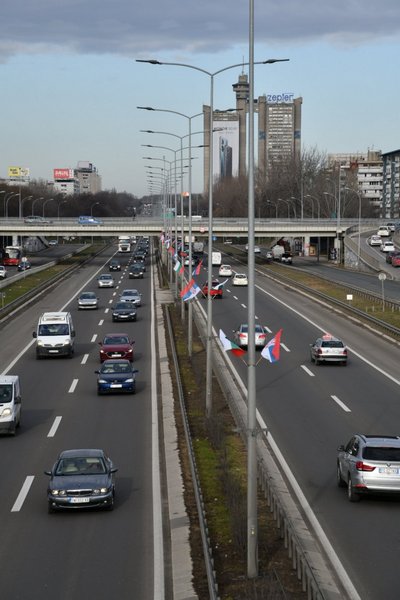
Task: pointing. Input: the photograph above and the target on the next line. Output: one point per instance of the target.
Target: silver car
(105, 281)
(88, 300)
(369, 464)
(328, 349)
(242, 337)
(132, 296)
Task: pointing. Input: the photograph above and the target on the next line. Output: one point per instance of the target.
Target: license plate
(53, 351)
(79, 500)
(116, 385)
(115, 355)
(389, 470)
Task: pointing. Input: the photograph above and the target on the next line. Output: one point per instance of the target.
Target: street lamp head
(145, 108)
(151, 61)
(270, 61)
(146, 131)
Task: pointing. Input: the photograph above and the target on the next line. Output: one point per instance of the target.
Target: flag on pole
(186, 288)
(219, 286)
(272, 350)
(192, 292)
(177, 266)
(229, 346)
(182, 269)
(196, 271)
(171, 249)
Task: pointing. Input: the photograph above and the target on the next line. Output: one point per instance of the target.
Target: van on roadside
(10, 403)
(55, 335)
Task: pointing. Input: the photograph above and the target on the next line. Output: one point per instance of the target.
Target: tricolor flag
(192, 292)
(272, 350)
(187, 287)
(229, 346)
(196, 271)
(177, 266)
(171, 249)
(220, 285)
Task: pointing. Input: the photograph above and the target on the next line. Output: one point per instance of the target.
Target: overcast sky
(70, 84)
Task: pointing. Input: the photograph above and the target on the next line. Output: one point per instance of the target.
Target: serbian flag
(177, 266)
(192, 292)
(229, 346)
(187, 287)
(272, 350)
(196, 271)
(220, 285)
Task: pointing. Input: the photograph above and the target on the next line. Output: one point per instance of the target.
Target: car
(242, 338)
(53, 242)
(105, 281)
(24, 265)
(387, 246)
(328, 349)
(3, 272)
(132, 296)
(396, 260)
(116, 345)
(375, 240)
(257, 249)
(215, 292)
(36, 219)
(124, 311)
(369, 464)
(82, 478)
(228, 241)
(390, 255)
(140, 260)
(383, 231)
(392, 226)
(286, 258)
(116, 375)
(114, 265)
(88, 300)
(136, 271)
(85, 220)
(240, 279)
(225, 271)
(269, 255)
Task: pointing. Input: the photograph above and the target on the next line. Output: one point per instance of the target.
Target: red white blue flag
(271, 351)
(192, 292)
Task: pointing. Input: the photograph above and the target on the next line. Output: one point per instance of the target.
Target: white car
(240, 279)
(225, 271)
(383, 231)
(257, 249)
(387, 246)
(3, 272)
(375, 240)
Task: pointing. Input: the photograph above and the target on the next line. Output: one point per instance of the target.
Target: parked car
(116, 376)
(240, 279)
(375, 240)
(3, 272)
(114, 265)
(369, 464)
(328, 349)
(81, 479)
(88, 300)
(105, 281)
(215, 291)
(131, 296)
(116, 345)
(136, 271)
(124, 311)
(387, 246)
(225, 271)
(241, 336)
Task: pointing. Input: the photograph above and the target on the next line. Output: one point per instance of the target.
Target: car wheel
(110, 506)
(351, 493)
(50, 508)
(339, 479)
(317, 362)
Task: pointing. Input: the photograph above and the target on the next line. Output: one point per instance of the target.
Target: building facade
(84, 179)
(391, 184)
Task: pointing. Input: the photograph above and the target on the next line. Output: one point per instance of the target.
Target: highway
(78, 554)
(311, 410)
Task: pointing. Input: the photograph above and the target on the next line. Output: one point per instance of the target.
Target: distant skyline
(70, 83)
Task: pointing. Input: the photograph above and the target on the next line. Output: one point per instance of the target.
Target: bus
(12, 256)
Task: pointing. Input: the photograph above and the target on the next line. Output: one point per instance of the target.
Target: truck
(277, 251)
(198, 247)
(124, 243)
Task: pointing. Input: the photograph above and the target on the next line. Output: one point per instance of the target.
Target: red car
(396, 260)
(116, 345)
(217, 292)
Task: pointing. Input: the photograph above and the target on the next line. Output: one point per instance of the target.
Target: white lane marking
(54, 427)
(73, 386)
(114, 293)
(84, 359)
(307, 370)
(101, 322)
(23, 493)
(285, 347)
(244, 306)
(228, 290)
(268, 329)
(110, 301)
(94, 338)
(236, 298)
(341, 404)
(106, 311)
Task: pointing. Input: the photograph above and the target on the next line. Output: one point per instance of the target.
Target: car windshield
(5, 392)
(332, 344)
(110, 368)
(54, 329)
(124, 306)
(116, 340)
(383, 454)
(80, 466)
(259, 329)
(88, 296)
(244, 328)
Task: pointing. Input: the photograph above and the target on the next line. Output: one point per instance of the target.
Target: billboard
(18, 172)
(225, 149)
(63, 173)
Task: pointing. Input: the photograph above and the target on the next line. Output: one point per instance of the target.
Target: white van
(216, 259)
(55, 335)
(10, 403)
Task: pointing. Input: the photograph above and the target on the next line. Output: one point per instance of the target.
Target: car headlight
(66, 343)
(102, 381)
(129, 380)
(57, 492)
(98, 491)
(40, 343)
(6, 412)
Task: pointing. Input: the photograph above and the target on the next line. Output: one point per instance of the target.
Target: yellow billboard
(17, 172)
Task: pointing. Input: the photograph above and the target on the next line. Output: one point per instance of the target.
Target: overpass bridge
(152, 226)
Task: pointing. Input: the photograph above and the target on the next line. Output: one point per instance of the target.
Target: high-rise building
(391, 184)
(88, 178)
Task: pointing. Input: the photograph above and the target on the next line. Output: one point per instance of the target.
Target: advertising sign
(282, 98)
(225, 149)
(18, 172)
(63, 173)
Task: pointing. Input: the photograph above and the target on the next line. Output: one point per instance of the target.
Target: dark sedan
(114, 265)
(24, 265)
(116, 376)
(116, 345)
(81, 479)
(136, 271)
(124, 311)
